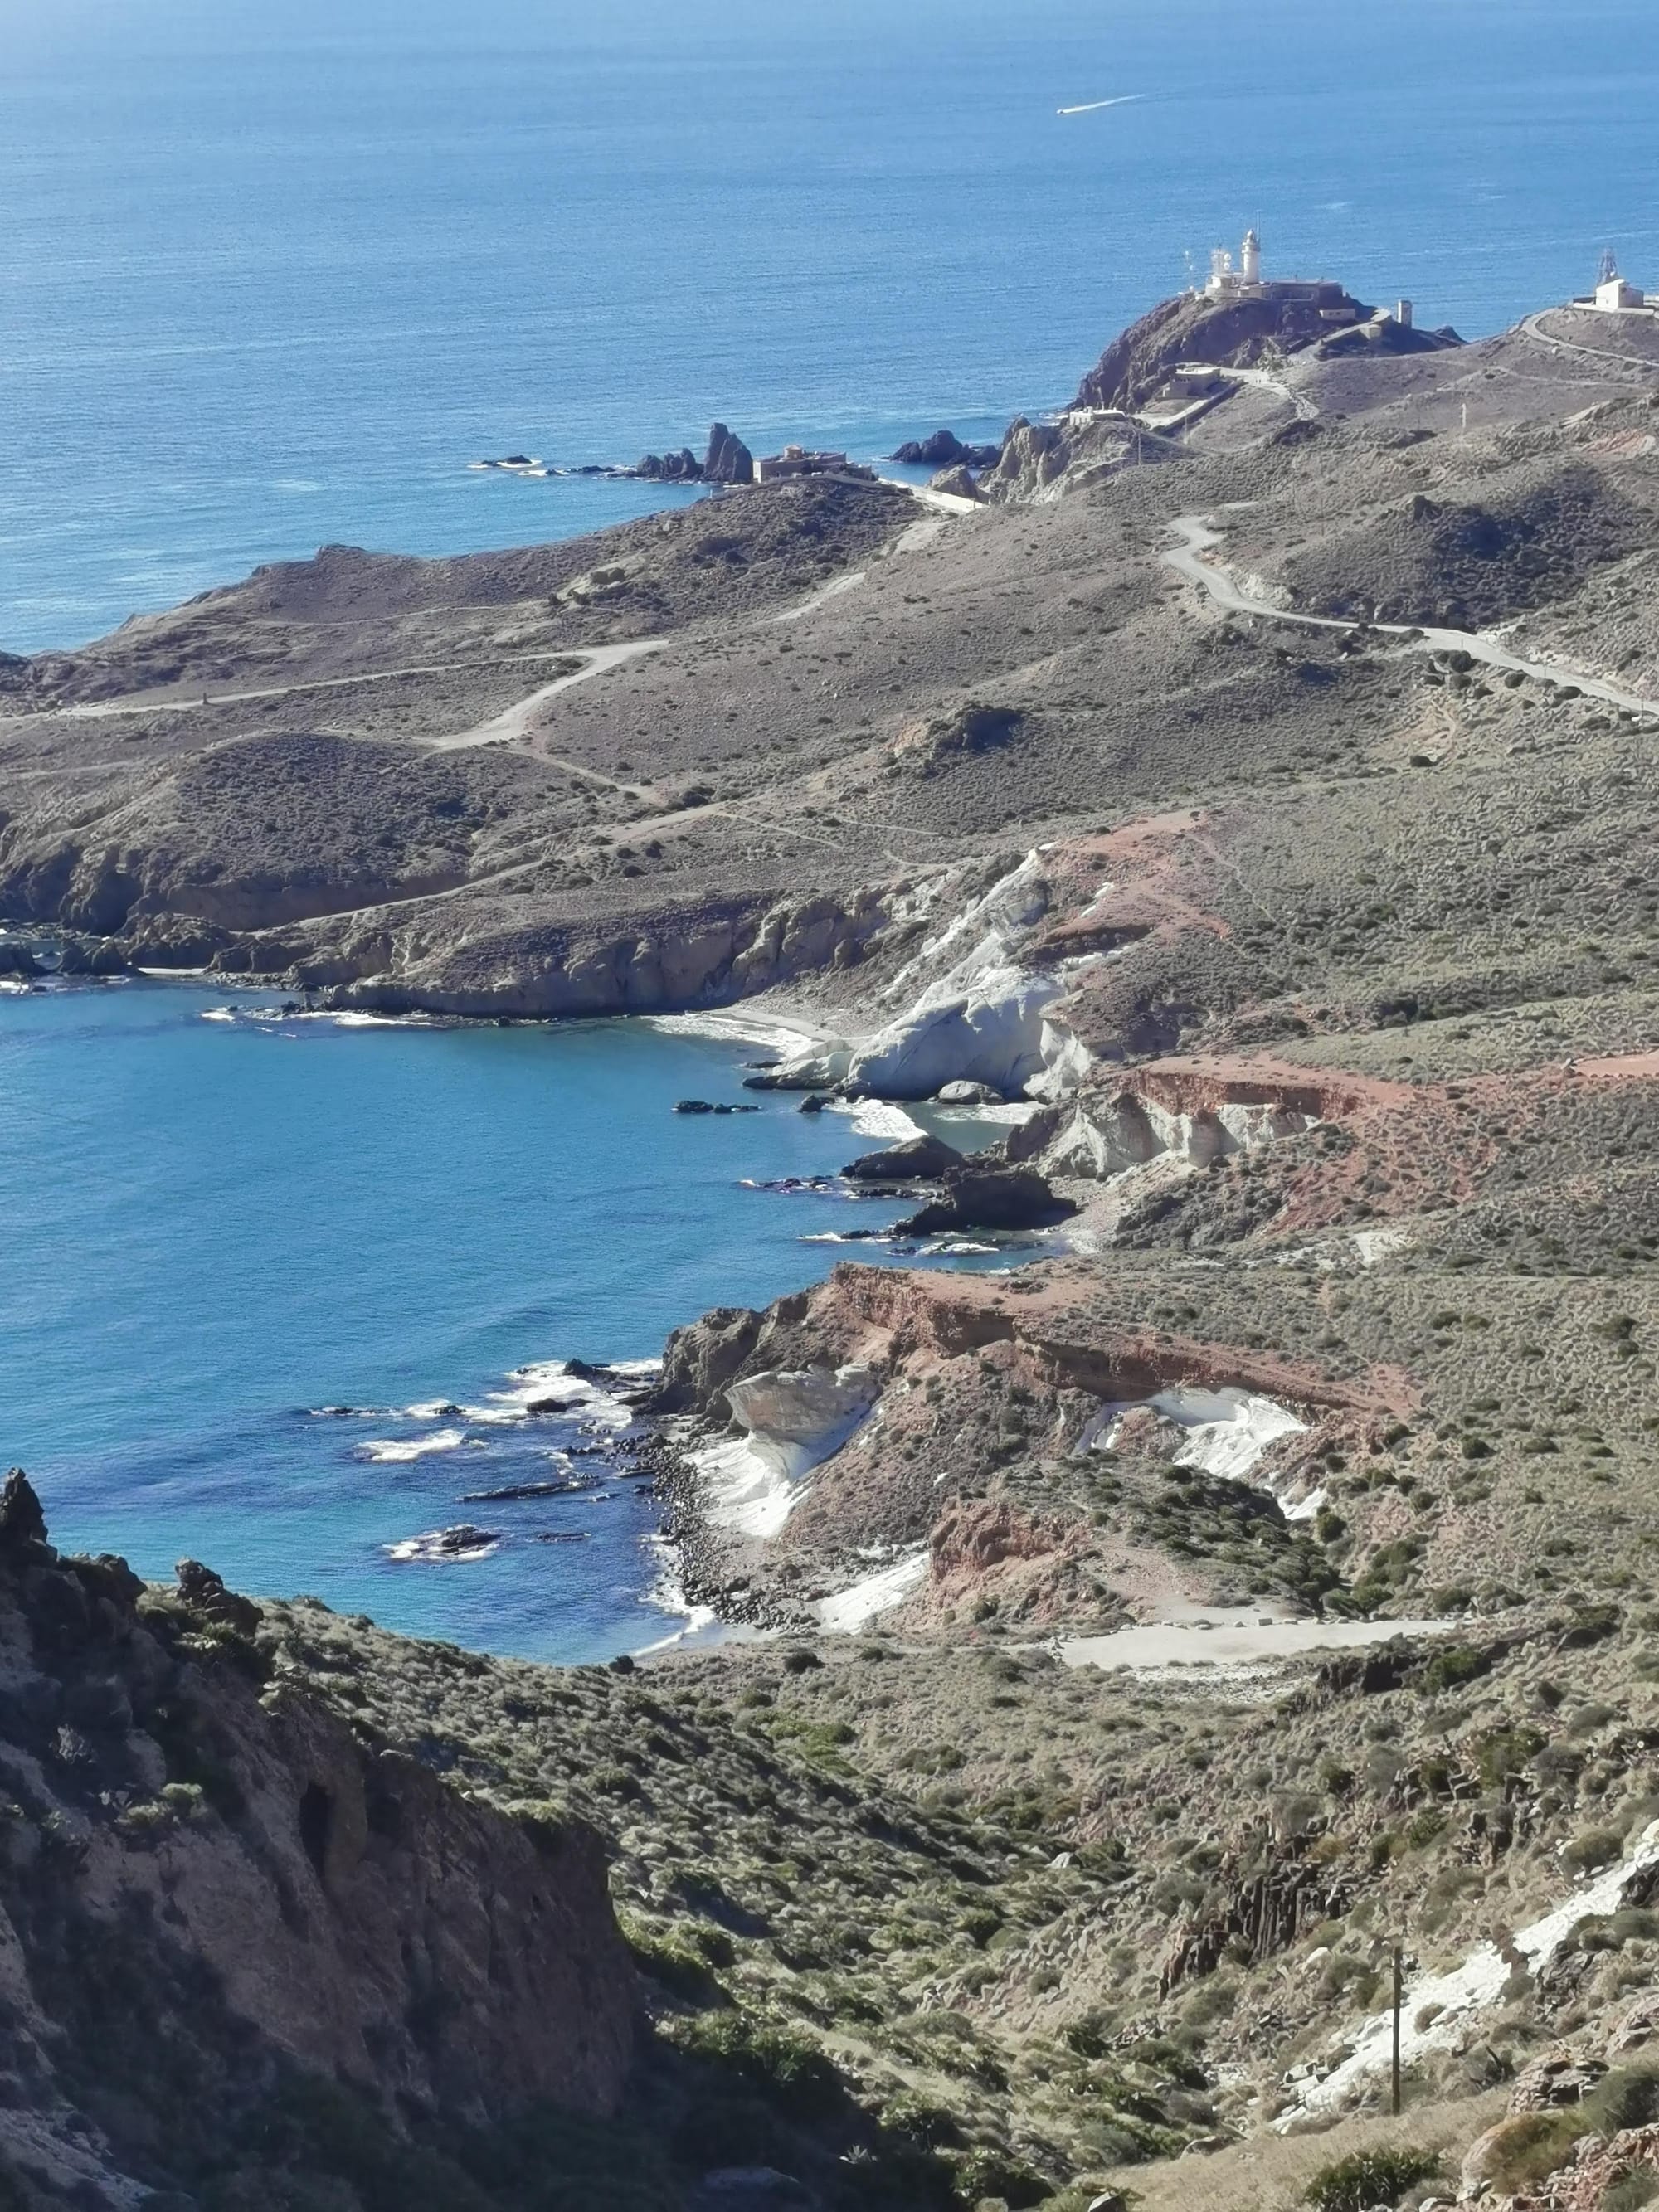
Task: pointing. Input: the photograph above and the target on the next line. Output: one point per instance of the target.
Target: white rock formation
(991, 1033)
(793, 1420)
(1224, 1431)
(850, 1608)
(1443, 2012)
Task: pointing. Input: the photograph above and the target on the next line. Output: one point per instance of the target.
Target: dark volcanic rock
(1231, 333)
(944, 450)
(921, 1159)
(683, 467)
(988, 1195)
(728, 460)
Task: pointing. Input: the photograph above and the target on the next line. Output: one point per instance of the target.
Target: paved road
(1198, 536)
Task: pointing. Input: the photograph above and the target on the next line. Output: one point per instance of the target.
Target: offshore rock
(944, 450)
(683, 467)
(919, 1159)
(987, 1195)
(728, 460)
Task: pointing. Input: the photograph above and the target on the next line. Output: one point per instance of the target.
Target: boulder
(919, 1159)
(960, 1093)
(797, 1417)
(692, 1106)
(18, 959)
(818, 1067)
(958, 483)
(987, 1194)
(944, 450)
(728, 460)
(683, 467)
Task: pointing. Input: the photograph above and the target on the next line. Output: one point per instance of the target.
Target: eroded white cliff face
(967, 1009)
(1108, 1137)
(1226, 1432)
(990, 1033)
(794, 1420)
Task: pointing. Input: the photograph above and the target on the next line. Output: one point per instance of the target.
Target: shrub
(793, 2073)
(1456, 1665)
(1597, 1847)
(1369, 2177)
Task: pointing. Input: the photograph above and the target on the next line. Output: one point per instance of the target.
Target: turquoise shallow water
(269, 278)
(213, 1229)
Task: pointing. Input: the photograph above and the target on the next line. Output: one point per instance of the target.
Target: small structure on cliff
(795, 461)
(1613, 296)
(1329, 300)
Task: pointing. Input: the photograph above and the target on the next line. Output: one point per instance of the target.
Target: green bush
(793, 2073)
(1369, 2177)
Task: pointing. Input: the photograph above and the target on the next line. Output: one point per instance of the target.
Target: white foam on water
(394, 1450)
(735, 1029)
(433, 1549)
(849, 1609)
(878, 1117)
(219, 1014)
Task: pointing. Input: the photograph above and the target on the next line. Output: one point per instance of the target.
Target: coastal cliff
(229, 1921)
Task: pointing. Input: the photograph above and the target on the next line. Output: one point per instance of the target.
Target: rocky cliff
(1227, 333)
(231, 1926)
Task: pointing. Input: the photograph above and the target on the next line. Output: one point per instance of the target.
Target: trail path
(1231, 1640)
(1264, 380)
(1198, 537)
(143, 704)
(504, 728)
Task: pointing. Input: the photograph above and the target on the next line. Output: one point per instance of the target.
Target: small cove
(279, 1291)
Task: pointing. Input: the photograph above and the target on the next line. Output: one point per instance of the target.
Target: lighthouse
(1249, 267)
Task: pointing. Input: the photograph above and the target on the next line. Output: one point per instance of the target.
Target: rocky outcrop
(944, 450)
(795, 1418)
(1196, 327)
(212, 1892)
(956, 483)
(1270, 1907)
(683, 467)
(728, 460)
(654, 962)
(985, 1193)
(1599, 2164)
(991, 1033)
(919, 1159)
(1042, 461)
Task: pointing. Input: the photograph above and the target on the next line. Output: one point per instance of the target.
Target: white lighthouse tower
(1249, 267)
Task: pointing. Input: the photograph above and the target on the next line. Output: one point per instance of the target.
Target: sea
(294, 1294)
(273, 272)
(279, 1291)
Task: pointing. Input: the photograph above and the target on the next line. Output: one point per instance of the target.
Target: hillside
(1248, 1576)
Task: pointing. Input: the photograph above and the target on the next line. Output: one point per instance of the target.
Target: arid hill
(1246, 1576)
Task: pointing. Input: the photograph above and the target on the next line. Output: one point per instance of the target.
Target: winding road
(1198, 535)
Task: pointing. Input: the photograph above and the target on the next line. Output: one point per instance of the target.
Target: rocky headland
(1243, 791)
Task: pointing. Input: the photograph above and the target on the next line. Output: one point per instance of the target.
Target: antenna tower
(1608, 272)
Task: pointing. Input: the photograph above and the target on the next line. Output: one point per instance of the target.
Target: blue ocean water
(270, 275)
(215, 1229)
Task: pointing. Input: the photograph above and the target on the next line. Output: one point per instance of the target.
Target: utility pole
(1399, 1993)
